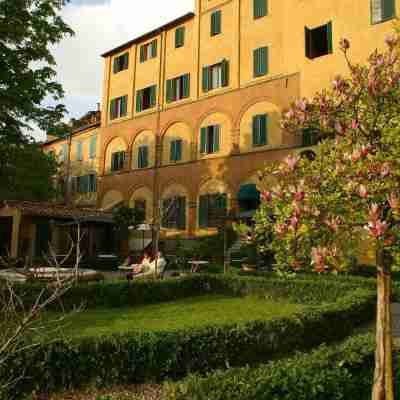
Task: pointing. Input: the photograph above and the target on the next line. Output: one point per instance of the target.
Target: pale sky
(101, 25)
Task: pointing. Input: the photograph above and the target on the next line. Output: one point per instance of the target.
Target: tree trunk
(383, 378)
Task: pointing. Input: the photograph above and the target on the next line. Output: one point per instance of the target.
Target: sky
(101, 25)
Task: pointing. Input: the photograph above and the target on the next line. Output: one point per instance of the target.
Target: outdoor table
(127, 268)
(196, 265)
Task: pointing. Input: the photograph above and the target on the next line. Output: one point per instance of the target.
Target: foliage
(143, 357)
(60, 130)
(328, 373)
(28, 29)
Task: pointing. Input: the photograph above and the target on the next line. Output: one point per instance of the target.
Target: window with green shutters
(121, 63)
(212, 210)
(260, 8)
(146, 98)
(260, 130)
(216, 22)
(260, 61)
(179, 37)
(176, 150)
(382, 10)
(118, 161)
(319, 41)
(118, 107)
(178, 88)
(85, 184)
(216, 76)
(79, 151)
(174, 213)
(148, 51)
(143, 157)
(210, 139)
(93, 147)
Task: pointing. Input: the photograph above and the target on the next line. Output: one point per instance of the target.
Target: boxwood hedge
(328, 373)
(335, 309)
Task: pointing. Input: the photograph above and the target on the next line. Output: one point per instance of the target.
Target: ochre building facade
(191, 110)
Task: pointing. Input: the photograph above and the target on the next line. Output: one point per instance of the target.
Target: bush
(328, 373)
(145, 357)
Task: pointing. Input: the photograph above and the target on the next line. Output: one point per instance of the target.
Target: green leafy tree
(27, 30)
(318, 212)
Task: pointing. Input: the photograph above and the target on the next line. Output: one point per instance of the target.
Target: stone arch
(245, 125)
(114, 145)
(143, 194)
(177, 131)
(143, 138)
(111, 199)
(224, 120)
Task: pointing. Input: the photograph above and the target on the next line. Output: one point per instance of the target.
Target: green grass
(186, 313)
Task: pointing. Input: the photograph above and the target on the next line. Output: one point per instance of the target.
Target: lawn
(185, 313)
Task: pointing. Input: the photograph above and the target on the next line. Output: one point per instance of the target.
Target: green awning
(248, 192)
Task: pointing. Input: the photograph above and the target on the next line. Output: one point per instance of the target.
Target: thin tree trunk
(383, 378)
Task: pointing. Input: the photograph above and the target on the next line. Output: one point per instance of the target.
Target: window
(143, 157)
(260, 8)
(148, 51)
(178, 88)
(212, 209)
(180, 37)
(310, 137)
(79, 151)
(64, 153)
(318, 41)
(215, 23)
(140, 209)
(209, 139)
(176, 150)
(93, 147)
(86, 184)
(216, 76)
(174, 213)
(382, 10)
(260, 57)
(117, 160)
(260, 130)
(146, 98)
(118, 107)
(121, 63)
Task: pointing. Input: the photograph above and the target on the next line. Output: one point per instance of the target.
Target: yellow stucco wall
(175, 132)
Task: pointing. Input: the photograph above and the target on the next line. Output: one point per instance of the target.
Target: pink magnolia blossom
(363, 192)
(377, 228)
(385, 170)
(302, 104)
(318, 256)
(266, 196)
(338, 83)
(294, 222)
(296, 210)
(299, 196)
(391, 41)
(365, 150)
(289, 114)
(374, 212)
(354, 124)
(356, 155)
(394, 201)
(333, 223)
(291, 161)
(281, 229)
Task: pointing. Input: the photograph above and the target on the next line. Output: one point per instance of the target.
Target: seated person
(148, 266)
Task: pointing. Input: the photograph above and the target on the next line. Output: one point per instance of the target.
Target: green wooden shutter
(308, 42)
(153, 90)
(92, 183)
(263, 130)
(178, 150)
(203, 211)
(217, 134)
(92, 147)
(154, 49)
(330, 37)
(256, 134)
(115, 65)
(142, 54)
(145, 156)
(186, 86)
(260, 61)
(169, 94)
(179, 37)
(139, 101)
(388, 9)
(216, 23)
(206, 79)
(203, 140)
(126, 61)
(113, 161)
(112, 109)
(225, 73)
(260, 8)
(124, 106)
(172, 151)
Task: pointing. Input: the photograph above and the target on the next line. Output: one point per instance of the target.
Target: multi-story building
(191, 110)
(79, 157)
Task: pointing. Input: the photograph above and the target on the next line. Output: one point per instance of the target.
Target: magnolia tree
(317, 213)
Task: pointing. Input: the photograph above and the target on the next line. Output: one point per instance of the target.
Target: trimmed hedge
(303, 289)
(146, 357)
(329, 373)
